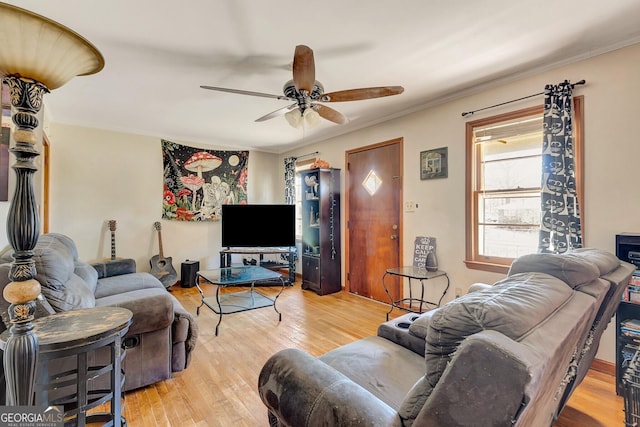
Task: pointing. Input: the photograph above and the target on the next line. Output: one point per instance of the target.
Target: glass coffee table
(235, 302)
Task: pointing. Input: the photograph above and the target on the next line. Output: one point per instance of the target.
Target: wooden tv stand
(225, 258)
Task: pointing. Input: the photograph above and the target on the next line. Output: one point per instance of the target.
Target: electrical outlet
(458, 292)
(410, 206)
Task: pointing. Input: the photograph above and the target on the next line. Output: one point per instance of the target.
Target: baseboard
(604, 367)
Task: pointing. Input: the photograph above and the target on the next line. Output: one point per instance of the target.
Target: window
(504, 164)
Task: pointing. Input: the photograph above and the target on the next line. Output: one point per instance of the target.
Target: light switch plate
(410, 206)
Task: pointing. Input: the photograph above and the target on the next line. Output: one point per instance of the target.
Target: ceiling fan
(308, 94)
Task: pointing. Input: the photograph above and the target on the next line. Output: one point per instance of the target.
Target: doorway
(373, 218)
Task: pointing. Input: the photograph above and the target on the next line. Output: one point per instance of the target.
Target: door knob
(394, 236)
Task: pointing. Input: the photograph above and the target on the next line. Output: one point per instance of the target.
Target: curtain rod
(581, 82)
(308, 154)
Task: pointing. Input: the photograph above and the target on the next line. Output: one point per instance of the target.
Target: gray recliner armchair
(508, 355)
(162, 334)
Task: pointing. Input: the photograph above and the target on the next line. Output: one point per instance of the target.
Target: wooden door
(374, 230)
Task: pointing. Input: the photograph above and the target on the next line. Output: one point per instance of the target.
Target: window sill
(487, 266)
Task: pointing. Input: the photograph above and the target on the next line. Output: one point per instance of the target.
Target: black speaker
(188, 273)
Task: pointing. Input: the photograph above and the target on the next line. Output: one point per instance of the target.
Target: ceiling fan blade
(359, 94)
(330, 114)
(275, 113)
(304, 68)
(246, 92)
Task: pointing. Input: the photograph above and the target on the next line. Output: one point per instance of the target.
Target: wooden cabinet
(321, 254)
(628, 314)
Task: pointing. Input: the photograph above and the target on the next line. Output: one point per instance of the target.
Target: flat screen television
(256, 225)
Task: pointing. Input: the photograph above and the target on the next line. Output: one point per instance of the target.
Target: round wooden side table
(78, 334)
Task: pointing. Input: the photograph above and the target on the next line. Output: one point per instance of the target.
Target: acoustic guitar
(112, 228)
(161, 266)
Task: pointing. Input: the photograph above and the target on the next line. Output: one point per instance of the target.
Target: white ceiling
(158, 53)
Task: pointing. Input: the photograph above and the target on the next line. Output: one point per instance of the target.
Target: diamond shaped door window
(372, 182)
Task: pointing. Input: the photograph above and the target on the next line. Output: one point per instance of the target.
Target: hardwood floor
(220, 386)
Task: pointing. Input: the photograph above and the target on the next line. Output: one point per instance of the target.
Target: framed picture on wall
(433, 163)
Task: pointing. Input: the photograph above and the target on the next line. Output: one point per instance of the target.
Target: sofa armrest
(300, 390)
(184, 336)
(408, 330)
(152, 308)
(115, 268)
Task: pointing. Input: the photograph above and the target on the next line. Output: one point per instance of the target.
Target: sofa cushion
(152, 308)
(385, 369)
(605, 261)
(87, 273)
(420, 326)
(513, 306)
(54, 257)
(63, 240)
(571, 269)
(414, 401)
(54, 260)
(54, 263)
(73, 295)
(116, 285)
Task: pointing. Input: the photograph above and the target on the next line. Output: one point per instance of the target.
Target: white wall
(100, 175)
(612, 152)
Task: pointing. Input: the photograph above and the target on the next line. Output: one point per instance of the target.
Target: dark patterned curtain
(290, 196)
(560, 228)
(289, 180)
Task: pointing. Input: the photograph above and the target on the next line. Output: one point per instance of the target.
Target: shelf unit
(627, 246)
(321, 252)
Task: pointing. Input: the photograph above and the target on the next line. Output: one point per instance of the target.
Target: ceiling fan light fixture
(311, 117)
(294, 118)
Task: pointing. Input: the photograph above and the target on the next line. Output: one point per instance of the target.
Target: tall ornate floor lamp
(36, 55)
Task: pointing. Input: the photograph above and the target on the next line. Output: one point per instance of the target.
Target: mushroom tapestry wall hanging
(197, 182)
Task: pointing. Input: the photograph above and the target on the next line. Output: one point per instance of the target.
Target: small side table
(417, 274)
(78, 333)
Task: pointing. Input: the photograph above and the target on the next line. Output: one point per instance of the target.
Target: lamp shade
(34, 47)
(311, 117)
(294, 118)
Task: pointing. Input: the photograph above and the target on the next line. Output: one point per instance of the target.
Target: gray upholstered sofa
(162, 334)
(506, 354)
